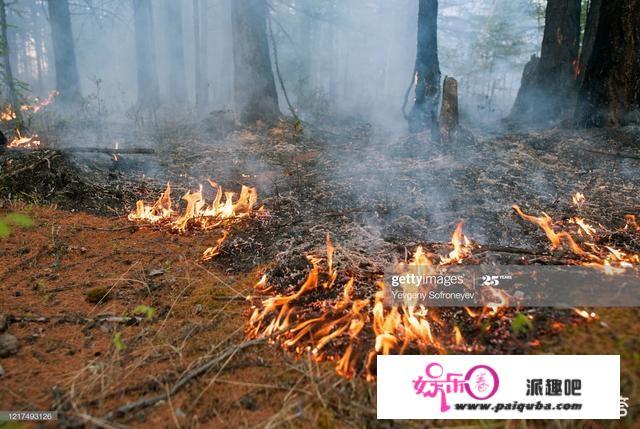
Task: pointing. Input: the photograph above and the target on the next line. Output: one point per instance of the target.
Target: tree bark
(67, 77)
(610, 92)
(549, 93)
(8, 73)
(449, 117)
(254, 84)
(148, 87)
(589, 38)
(175, 42)
(423, 115)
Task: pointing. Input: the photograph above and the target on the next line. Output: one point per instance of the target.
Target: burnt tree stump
(449, 117)
(3, 142)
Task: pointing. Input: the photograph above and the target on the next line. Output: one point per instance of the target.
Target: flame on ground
(224, 211)
(583, 242)
(24, 142)
(350, 322)
(38, 104)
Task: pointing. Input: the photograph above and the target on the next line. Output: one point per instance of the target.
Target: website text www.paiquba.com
(517, 406)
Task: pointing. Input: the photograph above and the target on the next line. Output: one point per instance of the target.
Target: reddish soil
(52, 273)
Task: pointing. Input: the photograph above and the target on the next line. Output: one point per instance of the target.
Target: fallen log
(110, 151)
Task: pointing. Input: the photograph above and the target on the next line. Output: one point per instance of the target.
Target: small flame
(198, 214)
(606, 258)
(24, 142)
(39, 104)
(578, 199)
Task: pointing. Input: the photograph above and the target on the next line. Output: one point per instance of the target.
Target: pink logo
(480, 382)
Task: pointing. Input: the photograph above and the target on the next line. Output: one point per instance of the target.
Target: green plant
(117, 342)
(521, 324)
(146, 311)
(13, 219)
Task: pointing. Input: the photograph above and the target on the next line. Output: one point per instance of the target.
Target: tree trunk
(67, 78)
(610, 92)
(549, 93)
(254, 84)
(197, 52)
(175, 41)
(148, 87)
(204, 52)
(589, 38)
(200, 30)
(8, 73)
(423, 115)
(37, 42)
(449, 118)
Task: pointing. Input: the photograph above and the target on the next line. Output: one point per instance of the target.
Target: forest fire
(222, 212)
(354, 322)
(24, 142)
(582, 239)
(39, 104)
(348, 319)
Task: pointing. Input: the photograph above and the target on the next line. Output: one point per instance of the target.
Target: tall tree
(611, 86)
(175, 42)
(204, 51)
(254, 84)
(424, 114)
(8, 72)
(148, 87)
(200, 30)
(548, 92)
(67, 77)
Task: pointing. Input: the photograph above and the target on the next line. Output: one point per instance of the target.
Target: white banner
(498, 387)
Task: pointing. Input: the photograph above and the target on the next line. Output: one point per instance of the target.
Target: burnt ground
(377, 194)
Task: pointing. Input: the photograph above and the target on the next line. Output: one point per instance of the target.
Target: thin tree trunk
(610, 92)
(424, 114)
(551, 87)
(175, 39)
(197, 55)
(254, 83)
(37, 42)
(8, 73)
(148, 87)
(67, 77)
(204, 52)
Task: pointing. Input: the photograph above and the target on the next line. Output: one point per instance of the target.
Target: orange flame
(606, 258)
(345, 321)
(198, 214)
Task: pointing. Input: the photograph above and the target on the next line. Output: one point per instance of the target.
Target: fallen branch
(183, 381)
(507, 249)
(614, 154)
(110, 151)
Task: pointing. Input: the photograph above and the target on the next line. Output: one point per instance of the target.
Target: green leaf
(521, 324)
(145, 310)
(117, 342)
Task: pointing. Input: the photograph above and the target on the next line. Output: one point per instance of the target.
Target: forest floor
(107, 312)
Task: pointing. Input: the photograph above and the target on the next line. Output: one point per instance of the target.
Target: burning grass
(343, 316)
(583, 240)
(24, 139)
(221, 213)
